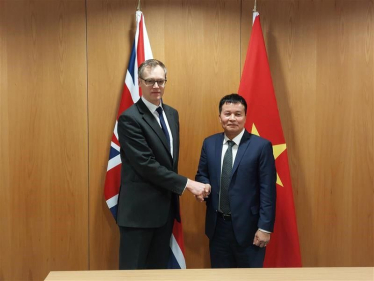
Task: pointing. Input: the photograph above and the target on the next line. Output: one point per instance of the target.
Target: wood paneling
(59, 94)
(110, 34)
(344, 95)
(202, 55)
(199, 43)
(43, 167)
(321, 58)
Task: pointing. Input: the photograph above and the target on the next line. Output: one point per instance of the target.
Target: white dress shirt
(235, 147)
(152, 108)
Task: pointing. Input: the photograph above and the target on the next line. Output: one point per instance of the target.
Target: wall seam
(88, 147)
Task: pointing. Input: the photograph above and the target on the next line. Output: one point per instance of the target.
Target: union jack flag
(131, 93)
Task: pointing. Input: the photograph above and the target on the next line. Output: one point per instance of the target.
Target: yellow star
(277, 150)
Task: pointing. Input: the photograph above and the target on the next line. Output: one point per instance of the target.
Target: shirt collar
(152, 108)
(236, 140)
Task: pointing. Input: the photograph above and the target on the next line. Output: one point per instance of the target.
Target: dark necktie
(225, 179)
(163, 124)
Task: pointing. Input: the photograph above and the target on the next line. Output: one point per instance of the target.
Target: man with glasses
(148, 202)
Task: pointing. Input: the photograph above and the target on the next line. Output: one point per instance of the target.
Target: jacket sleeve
(202, 174)
(267, 180)
(142, 158)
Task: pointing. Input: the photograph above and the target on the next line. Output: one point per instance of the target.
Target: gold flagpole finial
(255, 9)
(138, 8)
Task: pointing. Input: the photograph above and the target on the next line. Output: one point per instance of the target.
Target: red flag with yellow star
(256, 87)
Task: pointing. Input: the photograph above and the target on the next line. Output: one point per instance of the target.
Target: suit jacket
(252, 189)
(149, 179)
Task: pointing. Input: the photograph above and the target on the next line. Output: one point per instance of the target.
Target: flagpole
(255, 13)
(138, 8)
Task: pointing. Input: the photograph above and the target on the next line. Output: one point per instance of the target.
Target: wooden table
(263, 274)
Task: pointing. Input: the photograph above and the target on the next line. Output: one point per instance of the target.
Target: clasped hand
(200, 190)
(204, 194)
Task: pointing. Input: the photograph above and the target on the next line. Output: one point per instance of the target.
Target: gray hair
(152, 63)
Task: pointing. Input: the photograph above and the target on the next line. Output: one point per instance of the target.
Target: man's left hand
(261, 239)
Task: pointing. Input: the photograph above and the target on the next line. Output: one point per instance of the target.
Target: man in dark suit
(150, 185)
(240, 168)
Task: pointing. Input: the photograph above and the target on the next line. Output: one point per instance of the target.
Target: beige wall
(62, 66)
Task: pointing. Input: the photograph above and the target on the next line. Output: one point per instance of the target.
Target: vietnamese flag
(256, 87)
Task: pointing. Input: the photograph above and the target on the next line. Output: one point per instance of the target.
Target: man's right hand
(198, 189)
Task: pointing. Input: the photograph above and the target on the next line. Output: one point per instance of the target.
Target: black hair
(233, 98)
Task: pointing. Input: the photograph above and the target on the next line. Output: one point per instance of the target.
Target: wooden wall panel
(191, 38)
(110, 34)
(203, 58)
(43, 167)
(345, 118)
(59, 96)
(321, 58)
(184, 35)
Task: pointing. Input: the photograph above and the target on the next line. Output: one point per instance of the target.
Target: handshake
(200, 190)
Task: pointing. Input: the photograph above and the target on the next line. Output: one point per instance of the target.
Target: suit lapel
(217, 159)
(246, 139)
(173, 124)
(152, 122)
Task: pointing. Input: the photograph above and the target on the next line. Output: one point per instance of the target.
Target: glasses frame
(147, 82)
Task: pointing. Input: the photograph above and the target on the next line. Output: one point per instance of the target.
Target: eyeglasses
(160, 83)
